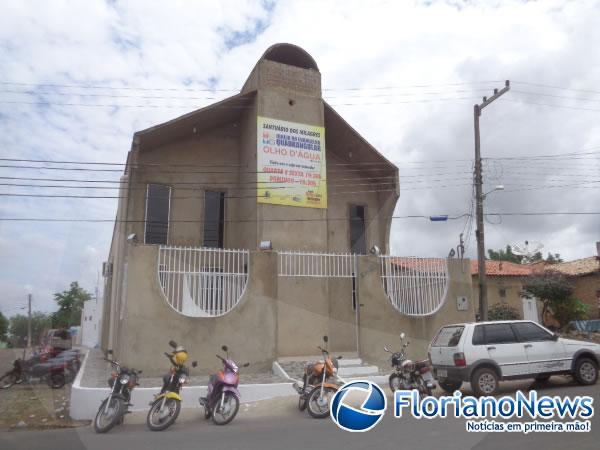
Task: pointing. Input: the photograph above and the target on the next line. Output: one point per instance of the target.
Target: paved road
(277, 425)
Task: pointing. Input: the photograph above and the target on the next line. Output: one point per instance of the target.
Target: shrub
(568, 310)
(500, 311)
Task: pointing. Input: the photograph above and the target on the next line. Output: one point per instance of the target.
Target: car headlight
(182, 379)
(124, 379)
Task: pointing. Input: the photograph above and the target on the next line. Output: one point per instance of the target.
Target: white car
(483, 353)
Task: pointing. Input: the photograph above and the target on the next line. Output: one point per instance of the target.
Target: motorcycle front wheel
(162, 417)
(395, 382)
(302, 402)
(106, 418)
(318, 405)
(225, 411)
(8, 380)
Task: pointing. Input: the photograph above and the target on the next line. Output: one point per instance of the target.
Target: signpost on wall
(291, 167)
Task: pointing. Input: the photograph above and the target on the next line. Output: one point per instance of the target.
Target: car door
(544, 353)
(503, 347)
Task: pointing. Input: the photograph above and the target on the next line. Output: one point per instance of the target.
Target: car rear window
(448, 337)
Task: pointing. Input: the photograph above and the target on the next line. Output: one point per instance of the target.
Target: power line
(450, 217)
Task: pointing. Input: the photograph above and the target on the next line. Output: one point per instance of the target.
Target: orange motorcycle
(319, 383)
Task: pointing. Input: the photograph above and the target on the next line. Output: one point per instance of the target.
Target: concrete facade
(215, 148)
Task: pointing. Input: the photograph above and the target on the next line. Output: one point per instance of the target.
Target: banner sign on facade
(291, 164)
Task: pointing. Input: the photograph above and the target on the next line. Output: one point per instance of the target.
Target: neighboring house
(239, 223)
(585, 275)
(90, 326)
(505, 282)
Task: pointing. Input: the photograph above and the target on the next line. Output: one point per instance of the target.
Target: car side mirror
(194, 363)
(555, 337)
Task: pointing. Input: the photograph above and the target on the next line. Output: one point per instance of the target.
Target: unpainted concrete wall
(249, 330)
(381, 324)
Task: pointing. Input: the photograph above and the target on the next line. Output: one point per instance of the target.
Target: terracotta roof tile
(503, 268)
(582, 266)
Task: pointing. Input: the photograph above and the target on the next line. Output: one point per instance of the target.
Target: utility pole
(479, 233)
(29, 321)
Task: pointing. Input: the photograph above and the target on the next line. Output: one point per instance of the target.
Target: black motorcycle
(409, 374)
(113, 409)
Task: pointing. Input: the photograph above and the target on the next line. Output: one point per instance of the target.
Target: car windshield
(448, 337)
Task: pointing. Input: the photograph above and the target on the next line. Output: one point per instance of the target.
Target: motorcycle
(112, 410)
(166, 406)
(319, 397)
(313, 372)
(56, 373)
(409, 374)
(223, 398)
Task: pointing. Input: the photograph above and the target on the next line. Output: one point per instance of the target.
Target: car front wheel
(586, 371)
(484, 381)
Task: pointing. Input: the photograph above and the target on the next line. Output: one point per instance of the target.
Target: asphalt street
(277, 424)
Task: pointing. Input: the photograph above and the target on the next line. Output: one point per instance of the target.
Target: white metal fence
(319, 265)
(415, 286)
(202, 282)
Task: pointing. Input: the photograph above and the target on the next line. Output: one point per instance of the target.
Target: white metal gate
(320, 265)
(200, 281)
(415, 286)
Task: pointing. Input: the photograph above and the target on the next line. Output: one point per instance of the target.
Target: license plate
(442, 373)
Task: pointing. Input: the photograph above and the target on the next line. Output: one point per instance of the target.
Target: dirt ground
(32, 405)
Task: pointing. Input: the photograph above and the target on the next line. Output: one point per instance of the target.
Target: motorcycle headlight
(182, 379)
(124, 379)
(235, 368)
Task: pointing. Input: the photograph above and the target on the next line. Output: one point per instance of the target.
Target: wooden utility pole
(479, 196)
(29, 321)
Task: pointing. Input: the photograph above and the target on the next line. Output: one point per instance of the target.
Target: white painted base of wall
(86, 400)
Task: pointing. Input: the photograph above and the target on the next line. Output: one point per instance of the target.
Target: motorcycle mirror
(402, 335)
(224, 348)
(194, 363)
(325, 338)
(386, 348)
(110, 352)
(173, 344)
(246, 365)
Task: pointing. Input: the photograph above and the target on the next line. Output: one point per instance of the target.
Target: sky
(78, 78)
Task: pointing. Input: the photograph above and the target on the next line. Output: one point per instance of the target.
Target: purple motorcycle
(223, 398)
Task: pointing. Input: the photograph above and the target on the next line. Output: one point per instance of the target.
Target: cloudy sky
(78, 78)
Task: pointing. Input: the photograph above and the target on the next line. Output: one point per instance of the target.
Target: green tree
(556, 293)
(40, 322)
(504, 255)
(3, 327)
(70, 304)
(553, 258)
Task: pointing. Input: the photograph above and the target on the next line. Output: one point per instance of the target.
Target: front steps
(351, 367)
